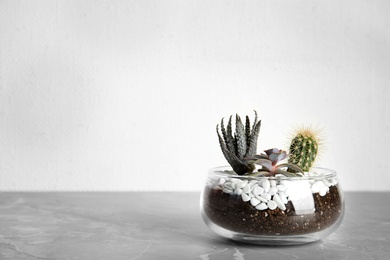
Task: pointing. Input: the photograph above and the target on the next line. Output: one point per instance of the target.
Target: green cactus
(303, 149)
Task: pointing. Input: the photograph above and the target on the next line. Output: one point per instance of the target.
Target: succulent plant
(241, 145)
(240, 148)
(303, 148)
(271, 164)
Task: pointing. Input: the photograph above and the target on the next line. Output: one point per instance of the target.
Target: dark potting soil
(230, 212)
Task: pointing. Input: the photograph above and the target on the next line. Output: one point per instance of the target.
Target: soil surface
(230, 212)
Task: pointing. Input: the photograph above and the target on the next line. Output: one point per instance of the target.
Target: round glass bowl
(276, 210)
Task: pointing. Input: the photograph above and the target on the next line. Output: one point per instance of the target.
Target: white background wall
(125, 95)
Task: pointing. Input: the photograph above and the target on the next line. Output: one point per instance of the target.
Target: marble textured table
(157, 225)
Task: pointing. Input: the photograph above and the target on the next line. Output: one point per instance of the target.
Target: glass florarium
(274, 198)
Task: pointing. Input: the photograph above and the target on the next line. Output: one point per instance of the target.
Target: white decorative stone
(246, 189)
(238, 191)
(258, 190)
(283, 197)
(266, 196)
(316, 186)
(266, 185)
(221, 181)
(281, 187)
(271, 205)
(332, 181)
(262, 206)
(262, 199)
(272, 183)
(284, 182)
(279, 202)
(273, 191)
(254, 186)
(301, 196)
(255, 201)
(323, 191)
(245, 197)
(241, 184)
(228, 185)
(226, 190)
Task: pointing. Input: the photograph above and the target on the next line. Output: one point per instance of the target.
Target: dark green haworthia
(240, 146)
(303, 150)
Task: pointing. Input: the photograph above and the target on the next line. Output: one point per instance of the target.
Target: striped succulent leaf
(240, 138)
(254, 135)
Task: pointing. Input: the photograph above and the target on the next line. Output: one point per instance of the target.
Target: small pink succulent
(276, 155)
(271, 165)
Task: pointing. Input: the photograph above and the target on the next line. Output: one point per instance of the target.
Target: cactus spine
(304, 148)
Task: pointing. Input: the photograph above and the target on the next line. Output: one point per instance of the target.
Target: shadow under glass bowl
(272, 210)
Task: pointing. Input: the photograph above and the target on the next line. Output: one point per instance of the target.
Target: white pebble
(317, 186)
(246, 189)
(273, 190)
(333, 181)
(228, 185)
(262, 206)
(238, 191)
(254, 186)
(281, 187)
(266, 196)
(323, 191)
(245, 197)
(255, 201)
(258, 190)
(262, 199)
(272, 183)
(279, 202)
(241, 184)
(271, 205)
(221, 181)
(266, 185)
(226, 190)
(283, 197)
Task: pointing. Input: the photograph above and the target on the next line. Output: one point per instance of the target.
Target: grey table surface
(158, 225)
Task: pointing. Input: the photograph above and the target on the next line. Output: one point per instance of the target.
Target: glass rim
(227, 171)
